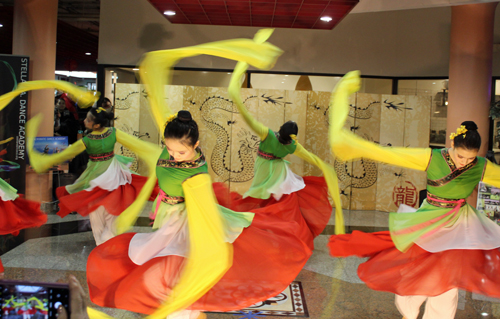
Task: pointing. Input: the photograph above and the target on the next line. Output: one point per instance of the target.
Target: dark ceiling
(77, 33)
(304, 14)
(78, 21)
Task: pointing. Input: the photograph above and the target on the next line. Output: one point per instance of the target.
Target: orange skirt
(417, 271)
(115, 202)
(19, 214)
(267, 257)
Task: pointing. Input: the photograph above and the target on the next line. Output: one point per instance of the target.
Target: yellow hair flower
(100, 109)
(461, 130)
(171, 118)
(293, 137)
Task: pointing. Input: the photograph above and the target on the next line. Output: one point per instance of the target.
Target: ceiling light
(135, 69)
(1, 25)
(484, 314)
(326, 19)
(88, 53)
(228, 73)
(286, 75)
(169, 13)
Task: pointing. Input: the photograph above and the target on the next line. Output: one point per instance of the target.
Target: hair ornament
(293, 137)
(170, 118)
(100, 109)
(461, 130)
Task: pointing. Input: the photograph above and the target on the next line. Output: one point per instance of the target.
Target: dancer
(17, 213)
(206, 252)
(107, 186)
(273, 175)
(446, 244)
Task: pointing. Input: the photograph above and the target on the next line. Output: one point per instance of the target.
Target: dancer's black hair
(470, 140)
(286, 130)
(101, 117)
(183, 128)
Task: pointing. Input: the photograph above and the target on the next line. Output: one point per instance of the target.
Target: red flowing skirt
(19, 214)
(417, 271)
(115, 202)
(267, 256)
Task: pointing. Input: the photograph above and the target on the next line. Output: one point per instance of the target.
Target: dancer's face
(89, 122)
(462, 156)
(181, 151)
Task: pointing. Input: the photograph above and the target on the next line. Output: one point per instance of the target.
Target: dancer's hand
(77, 301)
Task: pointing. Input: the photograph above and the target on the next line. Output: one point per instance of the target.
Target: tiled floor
(331, 286)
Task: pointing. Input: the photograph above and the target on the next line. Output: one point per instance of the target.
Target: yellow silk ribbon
(84, 97)
(348, 146)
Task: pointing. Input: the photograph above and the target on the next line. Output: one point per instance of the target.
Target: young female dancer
(446, 244)
(107, 186)
(18, 213)
(273, 175)
(197, 268)
(138, 271)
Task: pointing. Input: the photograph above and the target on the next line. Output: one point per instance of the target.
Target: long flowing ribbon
(155, 68)
(84, 97)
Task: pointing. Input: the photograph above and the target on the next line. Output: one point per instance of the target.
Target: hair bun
(470, 125)
(184, 116)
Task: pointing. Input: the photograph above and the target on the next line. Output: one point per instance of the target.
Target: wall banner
(13, 70)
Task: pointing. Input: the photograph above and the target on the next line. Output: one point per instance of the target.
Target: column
(34, 35)
(471, 50)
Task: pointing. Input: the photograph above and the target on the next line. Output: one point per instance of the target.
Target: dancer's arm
(331, 180)
(42, 162)
(348, 146)
(149, 153)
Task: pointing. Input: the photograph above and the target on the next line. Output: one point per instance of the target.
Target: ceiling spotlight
(88, 53)
(169, 13)
(326, 19)
(1, 25)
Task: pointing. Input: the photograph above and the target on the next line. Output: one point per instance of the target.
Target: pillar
(34, 35)
(471, 50)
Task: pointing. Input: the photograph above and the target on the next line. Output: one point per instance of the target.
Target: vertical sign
(13, 70)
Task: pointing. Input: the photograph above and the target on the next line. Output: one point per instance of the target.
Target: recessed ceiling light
(135, 69)
(326, 19)
(286, 74)
(88, 53)
(228, 73)
(1, 25)
(169, 13)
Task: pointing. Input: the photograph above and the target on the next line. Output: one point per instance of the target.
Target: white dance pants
(102, 225)
(443, 306)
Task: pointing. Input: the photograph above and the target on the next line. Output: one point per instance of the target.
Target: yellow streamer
(155, 67)
(6, 140)
(84, 97)
(348, 146)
